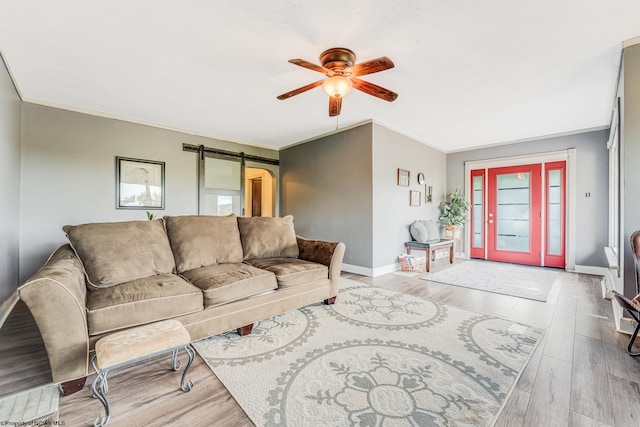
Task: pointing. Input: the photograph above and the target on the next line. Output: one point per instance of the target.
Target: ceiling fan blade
(300, 90)
(335, 104)
(370, 67)
(375, 90)
(309, 65)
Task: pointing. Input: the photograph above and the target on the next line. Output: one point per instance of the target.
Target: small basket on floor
(411, 264)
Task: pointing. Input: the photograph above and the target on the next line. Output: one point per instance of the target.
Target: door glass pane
(478, 198)
(554, 210)
(220, 204)
(513, 198)
(222, 174)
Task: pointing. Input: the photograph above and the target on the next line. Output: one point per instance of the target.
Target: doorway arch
(260, 192)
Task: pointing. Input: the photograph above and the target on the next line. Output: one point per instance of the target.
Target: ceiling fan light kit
(342, 75)
(337, 86)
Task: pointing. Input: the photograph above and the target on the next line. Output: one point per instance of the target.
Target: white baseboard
(356, 269)
(607, 285)
(626, 325)
(588, 269)
(7, 306)
(386, 269)
(371, 272)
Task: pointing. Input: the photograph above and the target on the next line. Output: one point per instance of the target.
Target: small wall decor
(420, 178)
(403, 177)
(139, 184)
(428, 193)
(416, 198)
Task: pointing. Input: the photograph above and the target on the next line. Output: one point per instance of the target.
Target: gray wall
(326, 184)
(10, 118)
(68, 173)
(392, 213)
(592, 160)
(631, 159)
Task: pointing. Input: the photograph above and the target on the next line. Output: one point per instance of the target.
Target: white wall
(68, 173)
(10, 117)
(392, 214)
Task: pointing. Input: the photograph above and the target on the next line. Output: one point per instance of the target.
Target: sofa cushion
(141, 301)
(291, 271)
(118, 252)
(224, 283)
(266, 237)
(201, 241)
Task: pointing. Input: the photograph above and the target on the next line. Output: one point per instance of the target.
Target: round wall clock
(420, 178)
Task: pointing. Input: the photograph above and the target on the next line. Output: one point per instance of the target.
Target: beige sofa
(213, 274)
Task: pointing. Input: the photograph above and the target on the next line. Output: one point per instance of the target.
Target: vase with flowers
(455, 212)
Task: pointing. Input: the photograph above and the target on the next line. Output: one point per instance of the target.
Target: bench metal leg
(175, 363)
(99, 390)
(189, 385)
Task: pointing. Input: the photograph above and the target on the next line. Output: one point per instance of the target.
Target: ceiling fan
(338, 66)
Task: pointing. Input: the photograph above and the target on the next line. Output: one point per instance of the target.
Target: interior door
(514, 214)
(256, 197)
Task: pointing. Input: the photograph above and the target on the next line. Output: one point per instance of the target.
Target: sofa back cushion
(118, 252)
(266, 237)
(202, 241)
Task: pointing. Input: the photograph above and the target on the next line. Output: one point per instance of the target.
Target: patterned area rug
(375, 358)
(498, 277)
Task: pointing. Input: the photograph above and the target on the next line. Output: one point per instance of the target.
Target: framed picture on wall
(416, 198)
(428, 193)
(403, 177)
(139, 184)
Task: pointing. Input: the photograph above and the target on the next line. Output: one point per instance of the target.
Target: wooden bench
(431, 248)
(134, 345)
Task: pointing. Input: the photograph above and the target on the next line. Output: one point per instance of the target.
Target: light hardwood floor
(580, 374)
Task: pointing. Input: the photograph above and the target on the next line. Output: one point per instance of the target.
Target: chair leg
(634, 336)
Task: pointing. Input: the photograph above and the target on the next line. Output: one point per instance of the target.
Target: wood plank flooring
(580, 374)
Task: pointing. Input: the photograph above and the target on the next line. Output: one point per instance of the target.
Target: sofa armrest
(327, 253)
(56, 297)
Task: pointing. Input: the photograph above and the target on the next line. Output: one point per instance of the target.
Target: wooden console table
(431, 248)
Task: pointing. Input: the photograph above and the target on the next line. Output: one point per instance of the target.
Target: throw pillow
(266, 237)
(118, 252)
(419, 231)
(202, 241)
(433, 231)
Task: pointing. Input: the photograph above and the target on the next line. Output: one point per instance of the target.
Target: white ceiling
(468, 72)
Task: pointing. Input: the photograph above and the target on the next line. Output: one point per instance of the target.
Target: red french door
(514, 214)
(517, 216)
